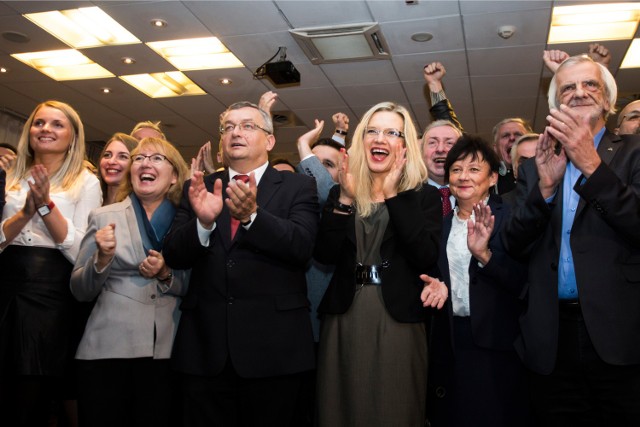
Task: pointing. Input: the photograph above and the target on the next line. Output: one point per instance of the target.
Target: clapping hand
(479, 232)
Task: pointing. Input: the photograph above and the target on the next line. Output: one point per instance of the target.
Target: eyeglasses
(388, 133)
(244, 127)
(155, 158)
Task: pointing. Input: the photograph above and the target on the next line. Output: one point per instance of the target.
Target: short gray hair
(268, 123)
(610, 86)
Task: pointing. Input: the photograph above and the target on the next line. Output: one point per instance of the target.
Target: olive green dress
(372, 370)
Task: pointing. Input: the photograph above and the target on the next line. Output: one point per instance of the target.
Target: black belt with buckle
(368, 275)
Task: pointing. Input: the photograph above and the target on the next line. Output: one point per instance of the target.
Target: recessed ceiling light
(594, 22)
(4, 70)
(67, 64)
(196, 54)
(159, 23)
(128, 60)
(164, 85)
(421, 37)
(632, 58)
(105, 90)
(225, 81)
(83, 27)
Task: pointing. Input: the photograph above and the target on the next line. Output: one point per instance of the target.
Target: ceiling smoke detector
(506, 31)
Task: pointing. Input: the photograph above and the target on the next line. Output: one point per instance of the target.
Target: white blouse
(459, 258)
(74, 204)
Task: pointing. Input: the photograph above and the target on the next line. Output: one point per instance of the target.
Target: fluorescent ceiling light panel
(164, 85)
(342, 43)
(196, 54)
(594, 22)
(632, 58)
(83, 28)
(68, 64)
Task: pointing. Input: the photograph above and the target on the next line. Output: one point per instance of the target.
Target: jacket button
(153, 296)
(231, 263)
(441, 392)
(230, 300)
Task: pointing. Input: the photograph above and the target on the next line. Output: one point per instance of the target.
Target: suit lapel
(268, 186)
(606, 150)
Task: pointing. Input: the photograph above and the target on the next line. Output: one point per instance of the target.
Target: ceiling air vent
(342, 43)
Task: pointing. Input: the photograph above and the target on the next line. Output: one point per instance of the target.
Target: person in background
(147, 129)
(438, 138)
(114, 163)
(475, 375)
(123, 357)
(380, 228)
(49, 194)
(523, 149)
(282, 165)
(629, 119)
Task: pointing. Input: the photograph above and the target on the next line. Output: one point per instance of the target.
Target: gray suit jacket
(129, 306)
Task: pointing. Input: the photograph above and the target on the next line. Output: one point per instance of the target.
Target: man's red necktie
(446, 202)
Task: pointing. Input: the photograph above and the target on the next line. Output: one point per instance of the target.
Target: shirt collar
(258, 172)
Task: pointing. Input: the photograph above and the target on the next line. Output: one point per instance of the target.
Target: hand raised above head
(553, 58)
(341, 121)
(434, 72)
(267, 100)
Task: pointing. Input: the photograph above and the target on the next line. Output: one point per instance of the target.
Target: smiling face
(150, 180)
(245, 150)
(470, 180)
(114, 163)
(506, 137)
(437, 143)
(380, 148)
(329, 158)
(581, 88)
(51, 132)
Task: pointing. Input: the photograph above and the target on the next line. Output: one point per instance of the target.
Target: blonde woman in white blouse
(49, 194)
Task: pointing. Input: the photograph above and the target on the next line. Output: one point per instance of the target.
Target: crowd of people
(385, 279)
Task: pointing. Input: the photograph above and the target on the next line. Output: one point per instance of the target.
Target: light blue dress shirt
(567, 286)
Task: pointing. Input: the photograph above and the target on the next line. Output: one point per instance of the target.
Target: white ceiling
(488, 78)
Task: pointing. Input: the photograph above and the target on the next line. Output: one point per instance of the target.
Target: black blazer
(494, 293)
(247, 298)
(605, 242)
(409, 248)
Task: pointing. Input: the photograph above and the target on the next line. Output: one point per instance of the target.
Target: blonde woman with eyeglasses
(381, 229)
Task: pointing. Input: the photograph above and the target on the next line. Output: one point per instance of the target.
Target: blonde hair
(149, 125)
(161, 146)
(414, 172)
(73, 165)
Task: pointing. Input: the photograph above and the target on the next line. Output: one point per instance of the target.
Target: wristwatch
(342, 132)
(45, 210)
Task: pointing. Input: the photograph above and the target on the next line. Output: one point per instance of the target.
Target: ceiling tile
(385, 11)
(481, 31)
(303, 14)
(232, 18)
(447, 35)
